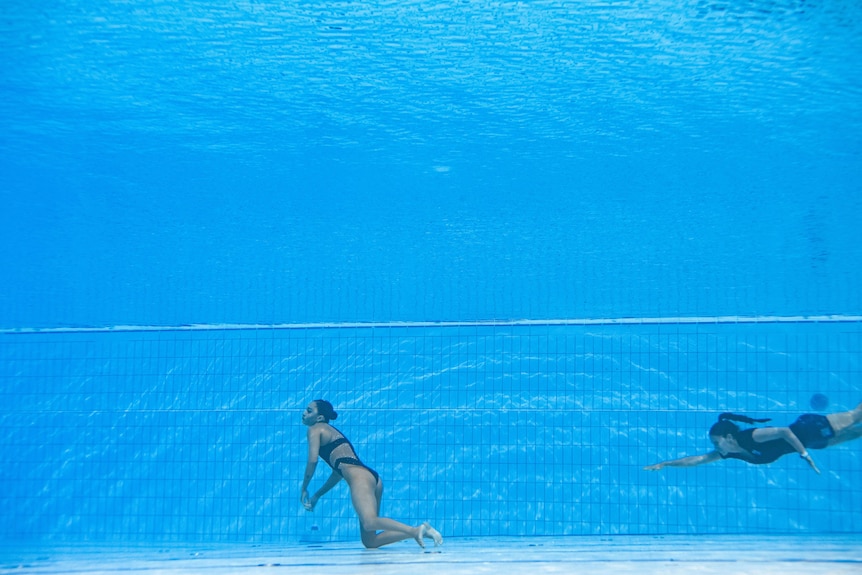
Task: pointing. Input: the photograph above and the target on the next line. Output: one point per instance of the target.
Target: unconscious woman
(366, 487)
(763, 445)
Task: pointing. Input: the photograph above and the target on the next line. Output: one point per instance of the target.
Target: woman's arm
(764, 434)
(311, 464)
(690, 461)
(333, 480)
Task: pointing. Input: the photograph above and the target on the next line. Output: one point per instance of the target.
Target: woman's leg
(366, 493)
(845, 424)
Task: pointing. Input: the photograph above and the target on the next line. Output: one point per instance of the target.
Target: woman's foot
(431, 533)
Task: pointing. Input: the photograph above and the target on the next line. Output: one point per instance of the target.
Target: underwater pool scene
(531, 431)
(525, 248)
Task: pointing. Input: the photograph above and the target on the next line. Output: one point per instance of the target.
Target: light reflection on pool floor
(644, 555)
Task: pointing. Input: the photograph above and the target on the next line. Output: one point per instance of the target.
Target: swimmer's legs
(367, 494)
(846, 425)
(847, 434)
(373, 539)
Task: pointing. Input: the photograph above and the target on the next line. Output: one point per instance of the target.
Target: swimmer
(764, 445)
(366, 488)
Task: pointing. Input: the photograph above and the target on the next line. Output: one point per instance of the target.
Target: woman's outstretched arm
(763, 434)
(690, 461)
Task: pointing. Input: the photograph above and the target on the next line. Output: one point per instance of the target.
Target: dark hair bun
(325, 409)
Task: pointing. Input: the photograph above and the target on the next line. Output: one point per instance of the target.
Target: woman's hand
(308, 502)
(654, 467)
(810, 461)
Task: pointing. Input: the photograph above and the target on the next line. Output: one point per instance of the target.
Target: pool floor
(607, 555)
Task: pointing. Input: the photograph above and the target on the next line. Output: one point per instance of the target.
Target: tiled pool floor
(643, 555)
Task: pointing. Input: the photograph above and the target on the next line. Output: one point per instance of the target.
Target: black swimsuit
(325, 452)
(813, 431)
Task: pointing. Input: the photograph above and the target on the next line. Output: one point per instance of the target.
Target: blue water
(256, 162)
(397, 164)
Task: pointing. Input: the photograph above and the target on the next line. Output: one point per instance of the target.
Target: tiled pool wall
(189, 435)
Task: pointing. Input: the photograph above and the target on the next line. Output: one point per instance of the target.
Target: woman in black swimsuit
(366, 488)
(766, 444)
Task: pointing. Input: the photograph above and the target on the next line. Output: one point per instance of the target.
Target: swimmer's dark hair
(725, 425)
(325, 409)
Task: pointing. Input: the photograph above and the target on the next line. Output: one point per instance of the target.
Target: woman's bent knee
(369, 539)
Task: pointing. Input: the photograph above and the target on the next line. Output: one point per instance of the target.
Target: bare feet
(429, 531)
(420, 535)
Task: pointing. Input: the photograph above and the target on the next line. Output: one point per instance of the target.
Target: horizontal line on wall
(727, 319)
(421, 410)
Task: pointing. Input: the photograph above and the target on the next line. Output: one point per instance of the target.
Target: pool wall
(195, 434)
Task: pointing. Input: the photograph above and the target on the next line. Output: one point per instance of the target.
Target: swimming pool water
(255, 162)
(525, 247)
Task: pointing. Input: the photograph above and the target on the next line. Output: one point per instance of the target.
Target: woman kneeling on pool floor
(766, 444)
(366, 488)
